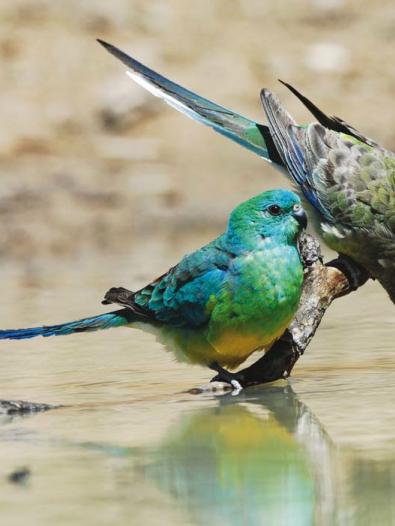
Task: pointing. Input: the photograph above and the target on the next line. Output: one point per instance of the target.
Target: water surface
(131, 446)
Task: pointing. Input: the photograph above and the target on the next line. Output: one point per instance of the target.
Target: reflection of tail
(252, 135)
(95, 323)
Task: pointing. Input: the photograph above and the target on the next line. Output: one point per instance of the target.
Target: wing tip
(265, 93)
(268, 98)
(293, 90)
(287, 85)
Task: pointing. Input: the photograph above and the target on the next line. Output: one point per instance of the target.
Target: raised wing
(330, 121)
(288, 139)
(349, 181)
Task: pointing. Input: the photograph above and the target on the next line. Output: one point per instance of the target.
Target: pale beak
(301, 217)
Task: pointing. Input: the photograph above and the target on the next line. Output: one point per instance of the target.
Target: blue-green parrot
(221, 303)
(245, 461)
(347, 179)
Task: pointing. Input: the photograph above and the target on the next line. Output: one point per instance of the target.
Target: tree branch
(322, 284)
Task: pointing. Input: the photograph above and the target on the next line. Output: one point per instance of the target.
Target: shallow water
(131, 446)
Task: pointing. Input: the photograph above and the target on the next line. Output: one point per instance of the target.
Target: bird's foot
(355, 274)
(234, 379)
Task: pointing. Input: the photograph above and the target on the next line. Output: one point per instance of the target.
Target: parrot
(345, 179)
(250, 460)
(219, 304)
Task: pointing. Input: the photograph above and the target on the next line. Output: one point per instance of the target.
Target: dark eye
(274, 210)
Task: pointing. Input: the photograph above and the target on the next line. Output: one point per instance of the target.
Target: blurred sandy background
(102, 185)
(90, 162)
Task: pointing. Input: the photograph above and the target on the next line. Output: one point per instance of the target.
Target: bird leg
(355, 274)
(322, 284)
(275, 364)
(234, 379)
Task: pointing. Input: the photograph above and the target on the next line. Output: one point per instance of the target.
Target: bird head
(274, 214)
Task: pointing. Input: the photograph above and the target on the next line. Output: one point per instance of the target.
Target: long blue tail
(246, 132)
(95, 323)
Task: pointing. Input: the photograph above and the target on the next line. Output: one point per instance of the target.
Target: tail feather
(95, 323)
(248, 133)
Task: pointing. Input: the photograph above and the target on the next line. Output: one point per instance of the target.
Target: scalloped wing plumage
(351, 184)
(181, 296)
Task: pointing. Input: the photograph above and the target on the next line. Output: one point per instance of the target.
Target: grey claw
(236, 386)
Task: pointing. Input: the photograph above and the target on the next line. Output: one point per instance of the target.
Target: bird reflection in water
(253, 459)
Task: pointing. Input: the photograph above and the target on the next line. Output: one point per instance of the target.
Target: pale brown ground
(89, 161)
(102, 185)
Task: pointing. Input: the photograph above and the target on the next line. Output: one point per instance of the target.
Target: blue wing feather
(285, 135)
(181, 296)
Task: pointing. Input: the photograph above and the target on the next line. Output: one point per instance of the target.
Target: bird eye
(274, 210)
(296, 208)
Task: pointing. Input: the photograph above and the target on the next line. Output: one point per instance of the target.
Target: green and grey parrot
(347, 178)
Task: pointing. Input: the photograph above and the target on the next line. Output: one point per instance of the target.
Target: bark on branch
(322, 284)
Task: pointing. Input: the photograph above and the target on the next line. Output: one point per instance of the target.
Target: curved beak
(301, 217)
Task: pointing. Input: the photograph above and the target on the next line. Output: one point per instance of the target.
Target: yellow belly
(234, 347)
(229, 349)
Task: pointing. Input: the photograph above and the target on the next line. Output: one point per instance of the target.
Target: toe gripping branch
(322, 284)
